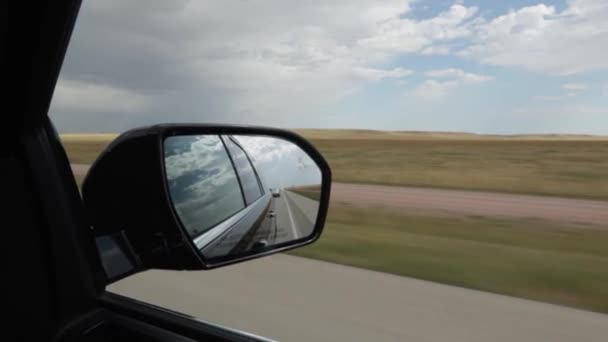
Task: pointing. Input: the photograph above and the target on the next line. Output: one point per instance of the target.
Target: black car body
(244, 228)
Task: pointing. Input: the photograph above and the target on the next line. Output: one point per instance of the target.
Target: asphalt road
(307, 207)
(296, 215)
(289, 298)
(462, 202)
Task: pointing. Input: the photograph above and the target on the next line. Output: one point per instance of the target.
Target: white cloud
(441, 50)
(280, 163)
(458, 74)
(433, 89)
(402, 35)
(442, 73)
(449, 78)
(200, 154)
(80, 96)
(320, 51)
(262, 59)
(547, 98)
(267, 149)
(289, 63)
(541, 39)
(574, 86)
(574, 110)
(571, 90)
(369, 74)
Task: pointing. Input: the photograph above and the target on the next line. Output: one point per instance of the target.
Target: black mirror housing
(136, 223)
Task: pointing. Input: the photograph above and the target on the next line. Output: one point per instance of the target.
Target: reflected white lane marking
(293, 224)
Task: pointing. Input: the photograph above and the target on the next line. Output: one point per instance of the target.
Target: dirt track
(462, 202)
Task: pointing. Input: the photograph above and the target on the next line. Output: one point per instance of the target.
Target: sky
(481, 66)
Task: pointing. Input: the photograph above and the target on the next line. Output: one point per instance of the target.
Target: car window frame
(236, 172)
(251, 164)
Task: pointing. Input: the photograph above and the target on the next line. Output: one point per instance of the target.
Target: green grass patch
(559, 264)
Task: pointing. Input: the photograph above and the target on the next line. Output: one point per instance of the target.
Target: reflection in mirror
(238, 194)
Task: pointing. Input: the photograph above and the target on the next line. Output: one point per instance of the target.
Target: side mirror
(197, 197)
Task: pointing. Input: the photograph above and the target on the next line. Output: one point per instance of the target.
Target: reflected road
(296, 214)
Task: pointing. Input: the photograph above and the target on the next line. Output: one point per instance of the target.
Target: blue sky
(488, 8)
(476, 66)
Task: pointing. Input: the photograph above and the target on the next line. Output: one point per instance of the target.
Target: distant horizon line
(591, 135)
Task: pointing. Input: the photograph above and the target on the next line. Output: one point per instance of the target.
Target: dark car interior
(54, 277)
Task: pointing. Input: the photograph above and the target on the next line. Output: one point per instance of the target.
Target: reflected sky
(280, 163)
(202, 182)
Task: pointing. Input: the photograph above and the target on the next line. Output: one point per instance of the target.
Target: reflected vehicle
(275, 192)
(229, 191)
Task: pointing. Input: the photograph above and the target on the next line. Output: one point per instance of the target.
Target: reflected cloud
(229, 205)
(202, 183)
(282, 163)
(205, 188)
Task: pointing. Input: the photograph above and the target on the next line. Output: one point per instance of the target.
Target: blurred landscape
(313, 192)
(566, 165)
(573, 166)
(558, 262)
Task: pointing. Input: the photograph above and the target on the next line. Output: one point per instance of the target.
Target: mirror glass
(237, 194)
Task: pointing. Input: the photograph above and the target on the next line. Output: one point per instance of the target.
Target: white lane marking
(293, 224)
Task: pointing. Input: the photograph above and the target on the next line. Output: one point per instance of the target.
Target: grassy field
(575, 166)
(530, 259)
(549, 167)
(84, 148)
(312, 192)
(367, 134)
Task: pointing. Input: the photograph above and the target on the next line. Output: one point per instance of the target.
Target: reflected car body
(275, 192)
(244, 229)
